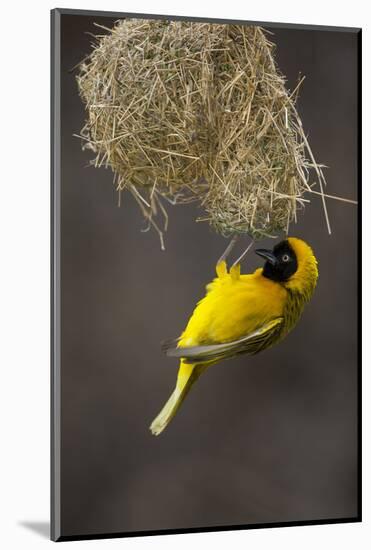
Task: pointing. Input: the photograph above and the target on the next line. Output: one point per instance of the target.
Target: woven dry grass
(189, 111)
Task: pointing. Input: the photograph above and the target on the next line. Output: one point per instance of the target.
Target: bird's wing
(253, 342)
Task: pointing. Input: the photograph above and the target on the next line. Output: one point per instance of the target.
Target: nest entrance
(188, 111)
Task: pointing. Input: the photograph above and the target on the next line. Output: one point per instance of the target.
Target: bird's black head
(281, 262)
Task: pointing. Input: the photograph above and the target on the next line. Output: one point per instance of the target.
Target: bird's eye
(285, 258)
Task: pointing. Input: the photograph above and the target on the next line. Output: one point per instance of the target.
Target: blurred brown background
(270, 438)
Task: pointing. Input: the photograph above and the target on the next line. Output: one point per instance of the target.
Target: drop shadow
(42, 528)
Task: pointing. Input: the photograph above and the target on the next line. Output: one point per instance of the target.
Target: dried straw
(198, 111)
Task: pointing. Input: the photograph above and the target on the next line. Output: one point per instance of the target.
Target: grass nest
(187, 111)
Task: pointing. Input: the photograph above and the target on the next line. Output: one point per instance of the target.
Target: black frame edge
(121, 15)
(216, 529)
(55, 165)
(359, 268)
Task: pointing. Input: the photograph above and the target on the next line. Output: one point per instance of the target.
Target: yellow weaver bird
(242, 314)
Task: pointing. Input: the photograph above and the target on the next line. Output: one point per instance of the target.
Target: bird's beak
(267, 255)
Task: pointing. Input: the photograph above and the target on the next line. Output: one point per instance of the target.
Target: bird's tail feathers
(188, 374)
